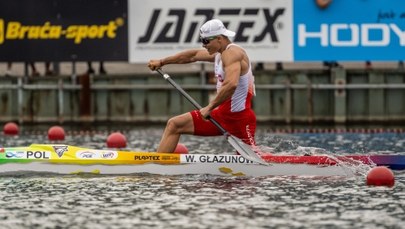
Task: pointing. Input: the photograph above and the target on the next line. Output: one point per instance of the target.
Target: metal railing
(64, 85)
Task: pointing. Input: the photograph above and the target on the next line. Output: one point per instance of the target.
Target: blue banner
(349, 30)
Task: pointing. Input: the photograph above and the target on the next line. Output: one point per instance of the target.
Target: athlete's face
(210, 43)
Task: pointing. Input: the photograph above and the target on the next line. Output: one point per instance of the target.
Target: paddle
(243, 148)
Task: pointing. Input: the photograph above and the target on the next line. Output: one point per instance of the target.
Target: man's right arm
(184, 57)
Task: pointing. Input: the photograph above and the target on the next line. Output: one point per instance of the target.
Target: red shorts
(240, 124)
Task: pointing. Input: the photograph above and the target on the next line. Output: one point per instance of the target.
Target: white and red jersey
(241, 99)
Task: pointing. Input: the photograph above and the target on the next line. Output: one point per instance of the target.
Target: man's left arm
(232, 67)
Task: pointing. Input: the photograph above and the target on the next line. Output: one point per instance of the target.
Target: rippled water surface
(203, 201)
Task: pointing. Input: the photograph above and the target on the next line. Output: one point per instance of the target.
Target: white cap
(215, 27)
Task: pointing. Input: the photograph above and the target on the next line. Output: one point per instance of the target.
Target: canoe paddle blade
(245, 150)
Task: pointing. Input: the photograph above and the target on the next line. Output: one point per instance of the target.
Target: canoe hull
(65, 159)
(223, 169)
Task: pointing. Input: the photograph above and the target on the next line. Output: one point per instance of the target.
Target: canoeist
(235, 88)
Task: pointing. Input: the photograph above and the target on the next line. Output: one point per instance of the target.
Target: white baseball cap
(215, 27)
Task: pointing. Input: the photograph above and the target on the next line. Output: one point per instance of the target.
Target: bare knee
(172, 125)
(181, 124)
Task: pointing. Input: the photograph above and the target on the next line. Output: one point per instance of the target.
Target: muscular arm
(231, 60)
(184, 57)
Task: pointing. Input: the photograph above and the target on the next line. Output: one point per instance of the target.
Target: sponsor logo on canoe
(96, 154)
(170, 158)
(15, 154)
(109, 155)
(28, 154)
(86, 155)
(60, 150)
(229, 159)
(2, 150)
(147, 158)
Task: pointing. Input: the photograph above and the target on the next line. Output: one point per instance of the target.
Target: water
(202, 201)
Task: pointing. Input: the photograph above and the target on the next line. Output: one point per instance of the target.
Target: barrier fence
(288, 96)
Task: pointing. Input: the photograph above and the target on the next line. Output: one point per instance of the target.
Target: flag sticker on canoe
(60, 150)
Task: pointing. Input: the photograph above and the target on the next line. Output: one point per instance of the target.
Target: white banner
(158, 28)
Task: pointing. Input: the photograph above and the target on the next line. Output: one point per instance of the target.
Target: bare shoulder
(233, 54)
(237, 57)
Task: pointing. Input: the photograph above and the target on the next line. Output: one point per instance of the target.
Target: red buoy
(181, 149)
(56, 133)
(380, 176)
(116, 140)
(10, 128)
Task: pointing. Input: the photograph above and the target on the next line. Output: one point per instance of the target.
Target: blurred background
(315, 62)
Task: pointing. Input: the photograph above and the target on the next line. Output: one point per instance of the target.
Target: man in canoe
(231, 106)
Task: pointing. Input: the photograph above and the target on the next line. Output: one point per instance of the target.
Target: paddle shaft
(191, 100)
(241, 147)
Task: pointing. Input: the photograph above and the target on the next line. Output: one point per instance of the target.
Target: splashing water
(293, 147)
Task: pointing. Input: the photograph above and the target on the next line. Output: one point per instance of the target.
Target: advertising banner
(140, 30)
(349, 30)
(59, 30)
(159, 28)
